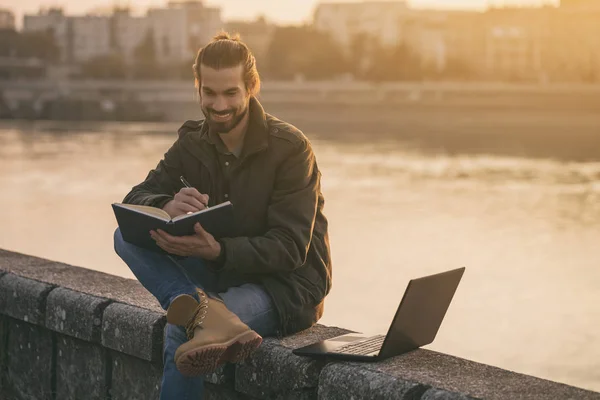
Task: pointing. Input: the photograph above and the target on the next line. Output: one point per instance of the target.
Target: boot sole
(206, 359)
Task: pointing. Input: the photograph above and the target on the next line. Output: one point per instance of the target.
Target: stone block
(12, 261)
(222, 392)
(80, 370)
(23, 298)
(134, 379)
(134, 331)
(225, 374)
(30, 366)
(338, 380)
(75, 314)
(3, 355)
(95, 283)
(274, 371)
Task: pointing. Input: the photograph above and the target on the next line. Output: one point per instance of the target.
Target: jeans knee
(118, 241)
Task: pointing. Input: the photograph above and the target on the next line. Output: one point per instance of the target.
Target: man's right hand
(187, 200)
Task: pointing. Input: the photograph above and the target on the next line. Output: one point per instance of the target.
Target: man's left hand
(202, 244)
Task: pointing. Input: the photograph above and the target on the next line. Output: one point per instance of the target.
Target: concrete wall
(71, 333)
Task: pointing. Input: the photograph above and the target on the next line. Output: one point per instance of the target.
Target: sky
(280, 11)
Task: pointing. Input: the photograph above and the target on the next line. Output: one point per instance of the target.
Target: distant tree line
(23, 45)
(295, 52)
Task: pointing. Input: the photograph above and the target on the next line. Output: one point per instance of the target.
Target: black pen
(186, 184)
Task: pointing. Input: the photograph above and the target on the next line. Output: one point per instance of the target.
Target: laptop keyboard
(362, 347)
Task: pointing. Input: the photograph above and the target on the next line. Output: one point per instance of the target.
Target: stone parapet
(91, 335)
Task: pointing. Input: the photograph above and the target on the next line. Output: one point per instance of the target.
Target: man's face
(223, 97)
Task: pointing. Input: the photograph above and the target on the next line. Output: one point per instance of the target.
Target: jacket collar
(257, 134)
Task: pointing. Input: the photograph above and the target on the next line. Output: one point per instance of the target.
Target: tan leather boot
(216, 335)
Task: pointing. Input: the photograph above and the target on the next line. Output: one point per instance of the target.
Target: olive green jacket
(280, 237)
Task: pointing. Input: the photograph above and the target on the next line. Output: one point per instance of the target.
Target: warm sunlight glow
(284, 11)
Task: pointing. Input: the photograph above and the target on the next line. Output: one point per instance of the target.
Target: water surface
(527, 230)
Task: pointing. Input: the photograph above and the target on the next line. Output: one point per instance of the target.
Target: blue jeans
(166, 278)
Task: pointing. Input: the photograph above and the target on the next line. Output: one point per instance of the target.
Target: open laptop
(415, 324)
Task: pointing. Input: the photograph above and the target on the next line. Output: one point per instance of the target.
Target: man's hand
(202, 244)
(187, 200)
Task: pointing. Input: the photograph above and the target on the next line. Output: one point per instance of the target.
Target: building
(585, 5)
(571, 48)
(256, 34)
(181, 28)
(177, 31)
(425, 35)
(55, 23)
(382, 20)
(90, 37)
(79, 38)
(514, 42)
(7, 19)
(128, 33)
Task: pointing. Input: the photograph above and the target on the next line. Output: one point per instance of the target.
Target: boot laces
(199, 315)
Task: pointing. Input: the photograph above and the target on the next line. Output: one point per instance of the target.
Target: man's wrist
(220, 258)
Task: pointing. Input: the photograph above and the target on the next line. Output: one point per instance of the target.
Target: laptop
(415, 324)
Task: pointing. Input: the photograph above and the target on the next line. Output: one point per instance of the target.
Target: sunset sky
(282, 11)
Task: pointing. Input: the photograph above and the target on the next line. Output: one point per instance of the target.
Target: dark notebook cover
(136, 222)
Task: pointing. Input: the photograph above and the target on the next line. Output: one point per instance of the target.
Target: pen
(186, 184)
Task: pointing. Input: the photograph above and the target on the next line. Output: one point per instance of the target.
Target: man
(270, 276)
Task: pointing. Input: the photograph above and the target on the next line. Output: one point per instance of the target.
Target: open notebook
(136, 222)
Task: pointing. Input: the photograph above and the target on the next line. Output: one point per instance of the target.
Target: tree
(301, 50)
(40, 45)
(110, 66)
(361, 50)
(9, 41)
(395, 63)
(145, 65)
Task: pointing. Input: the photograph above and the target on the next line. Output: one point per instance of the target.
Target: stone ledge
(338, 380)
(273, 370)
(134, 331)
(75, 314)
(23, 298)
(454, 376)
(132, 328)
(99, 284)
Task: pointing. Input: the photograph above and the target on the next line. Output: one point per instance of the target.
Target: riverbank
(559, 128)
(173, 101)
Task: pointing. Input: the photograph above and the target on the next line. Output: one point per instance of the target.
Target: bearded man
(271, 274)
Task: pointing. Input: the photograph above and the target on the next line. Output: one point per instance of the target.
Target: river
(526, 229)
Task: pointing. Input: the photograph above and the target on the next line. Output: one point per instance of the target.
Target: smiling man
(271, 275)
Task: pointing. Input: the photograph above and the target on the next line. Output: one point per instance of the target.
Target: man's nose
(220, 104)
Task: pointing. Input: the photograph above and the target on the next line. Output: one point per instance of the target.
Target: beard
(237, 115)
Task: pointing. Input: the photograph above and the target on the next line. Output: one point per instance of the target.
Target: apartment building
(178, 30)
(7, 19)
(129, 32)
(53, 22)
(382, 20)
(90, 37)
